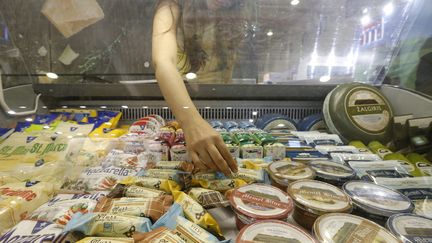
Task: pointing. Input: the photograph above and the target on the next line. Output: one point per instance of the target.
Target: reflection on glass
(235, 42)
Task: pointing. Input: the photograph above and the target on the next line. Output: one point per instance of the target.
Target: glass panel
(245, 41)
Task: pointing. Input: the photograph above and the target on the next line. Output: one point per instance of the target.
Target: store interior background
(285, 42)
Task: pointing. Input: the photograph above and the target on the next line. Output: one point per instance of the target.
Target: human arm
(205, 146)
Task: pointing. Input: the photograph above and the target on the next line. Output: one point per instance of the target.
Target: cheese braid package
(196, 213)
(159, 235)
(107, 225)
(208, 198)
(165, 185)
(222, 185)
(119, 158)
(178, 176)
(32, 231)
(152, 208)
(121, 190)
(172, 165)
(62, 207)
(251, 175)
(106, 240)
(174, 222)
(17, 200)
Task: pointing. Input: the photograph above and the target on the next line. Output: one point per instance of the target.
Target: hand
(207, 149)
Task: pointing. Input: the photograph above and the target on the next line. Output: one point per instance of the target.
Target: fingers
(207, 160)
(199, 165)
(227, 156)
(218, 160)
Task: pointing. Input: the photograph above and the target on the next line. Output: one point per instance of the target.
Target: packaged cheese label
(62, 207)
(37, 232)
(18, 200)
(97, 179)
(107, 225)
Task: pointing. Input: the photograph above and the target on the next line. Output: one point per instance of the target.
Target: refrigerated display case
(333, 94)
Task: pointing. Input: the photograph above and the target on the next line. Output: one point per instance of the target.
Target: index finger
(218, 160)
(223, 149)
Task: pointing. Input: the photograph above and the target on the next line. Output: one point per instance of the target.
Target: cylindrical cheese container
(273, 231)
(376, 202)
(314, 198)
(257, 202)
(283, 172)
(347, 228)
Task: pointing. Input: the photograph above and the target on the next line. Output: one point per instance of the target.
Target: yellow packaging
(222, 185)
(254, 164)
(90, 152)
(21, 148)
(106, 131)
(105, 240)
(196, 213)
(165, 185)
(91, 113)
(196, 178)
(17, 200)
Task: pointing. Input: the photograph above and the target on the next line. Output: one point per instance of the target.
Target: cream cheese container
(283, 172)
(332, 172)
(314, 198)
(376, 202)
(356, 110)
(273, 231)
(347, 228)
(410, 228)
(257, 202)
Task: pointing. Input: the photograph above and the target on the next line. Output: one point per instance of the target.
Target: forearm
(175, 93)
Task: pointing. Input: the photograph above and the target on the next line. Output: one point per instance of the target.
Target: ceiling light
(124, 106)
(22, 107)
(52, 75)
(229, 108)
(365, 11)
(165, 108)
(103, 107)
(270, 33)
(251, 120)
(295, 2)
(45, 107)
(254, 113)
(29, 119)
(207, 107)
(191, 76)
(324, 79)
(64, 107)
(365, 20)
(388, 9)
(11, 112)
(83, 106)
(145, 107)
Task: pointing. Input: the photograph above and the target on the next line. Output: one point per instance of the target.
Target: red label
(27, 195)
(265, 202)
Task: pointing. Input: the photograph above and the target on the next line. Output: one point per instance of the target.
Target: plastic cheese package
(263, 138)
(97, 179)
(196, 213)
(251, 175)
(222, 185)
(105, 240)
(165, 185)
(157, 151)
(121, 190)
(255, 164)
(167, 134)
(132, 143)
(172, 165)
(180, 177)
(208, 198)
(47, 172)
(322, 139)
(62, 207)
(275, 150)
(152, 208)
(346, 157)
(72, 129)
(17, 200)
(119, 158)
(161, 234)
(418, 189)
(203, 176)
(371, 170)
(91, 151)
(37, 232)
(173, 221)
(29, 149)
(330, 149)
(251, 151)
(147, 128)
(109, 225)
(304, 156)
(179, 152)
